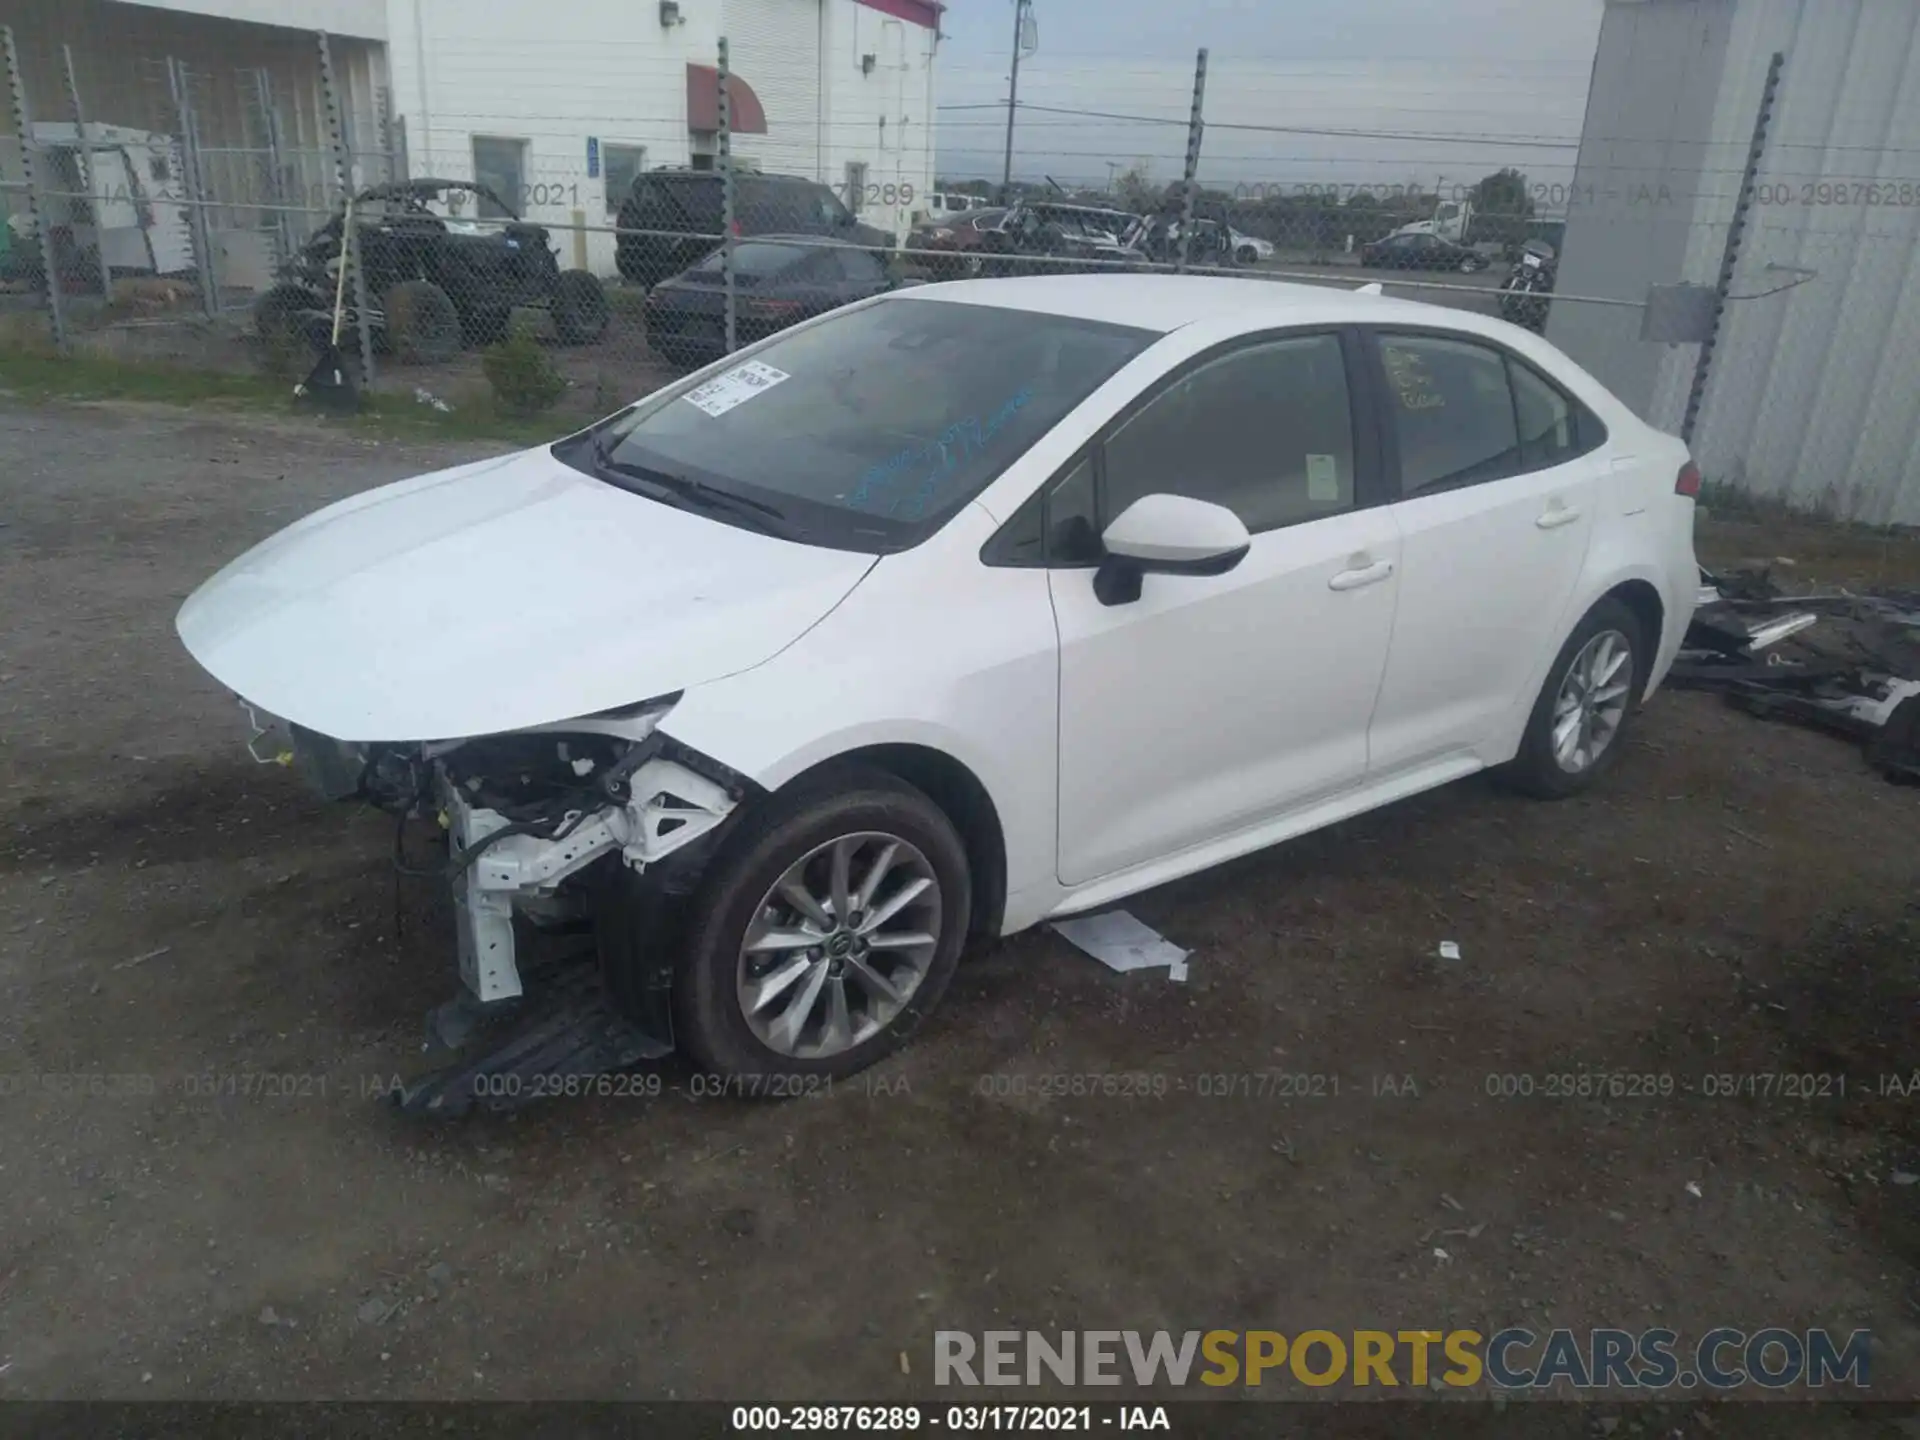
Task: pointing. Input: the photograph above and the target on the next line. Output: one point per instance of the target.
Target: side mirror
(1167, 535)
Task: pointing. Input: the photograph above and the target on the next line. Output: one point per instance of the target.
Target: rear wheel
(824, 935)
(579, 307)
(1574, 734)
(283, 315)
(422, 328)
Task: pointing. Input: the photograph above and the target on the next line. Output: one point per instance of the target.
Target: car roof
(1166, 303)
(810, 242)
(687, 172)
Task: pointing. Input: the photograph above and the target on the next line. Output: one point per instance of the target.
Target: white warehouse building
(839, 91)
(1811, 392)
(554, 105)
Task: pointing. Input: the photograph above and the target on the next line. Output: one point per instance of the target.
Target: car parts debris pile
(1841, 662)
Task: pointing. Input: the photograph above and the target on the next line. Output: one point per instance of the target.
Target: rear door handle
(1556, 517)
(1366, 575)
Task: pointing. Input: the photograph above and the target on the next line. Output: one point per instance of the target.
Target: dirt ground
(1739, 899)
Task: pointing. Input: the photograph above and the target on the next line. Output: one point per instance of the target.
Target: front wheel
(1248, 255)
(1573, 736)
(826, 933)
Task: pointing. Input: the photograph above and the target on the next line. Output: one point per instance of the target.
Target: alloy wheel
(1592, 702)
(838, 945)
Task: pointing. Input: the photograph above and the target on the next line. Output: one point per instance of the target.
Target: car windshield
(867, 431)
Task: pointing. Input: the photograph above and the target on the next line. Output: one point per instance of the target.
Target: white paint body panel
(496, 596)
(1219, 700)
(1121, 747)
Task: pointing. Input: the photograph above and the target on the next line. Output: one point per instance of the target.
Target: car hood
(490, 597)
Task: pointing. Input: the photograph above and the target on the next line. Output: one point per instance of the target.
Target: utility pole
(1021, 9)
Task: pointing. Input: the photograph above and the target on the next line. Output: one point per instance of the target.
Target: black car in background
(779, 280)
(1421, 252)
(679, 212)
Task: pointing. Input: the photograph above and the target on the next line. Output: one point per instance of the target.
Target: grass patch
(50, 378)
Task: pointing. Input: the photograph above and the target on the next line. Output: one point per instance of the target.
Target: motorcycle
(1524, 292)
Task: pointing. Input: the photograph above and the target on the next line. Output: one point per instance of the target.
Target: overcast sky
(1497, 82)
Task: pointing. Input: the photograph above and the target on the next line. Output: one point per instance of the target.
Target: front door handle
(1557, 516)
(1366, 575)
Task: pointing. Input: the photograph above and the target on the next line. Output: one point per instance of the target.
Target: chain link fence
(237, 218)
(241, 217)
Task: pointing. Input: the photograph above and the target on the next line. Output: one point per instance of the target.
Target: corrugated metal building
(1814, 395)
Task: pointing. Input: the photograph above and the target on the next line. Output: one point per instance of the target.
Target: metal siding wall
(1812, 396)
(775, 47)
(1652, 91)
(1815, 396)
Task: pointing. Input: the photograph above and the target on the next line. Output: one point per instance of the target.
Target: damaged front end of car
(603, 820)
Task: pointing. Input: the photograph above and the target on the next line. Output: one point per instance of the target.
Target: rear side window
(1452, 412)
(701, 202)
(1554, 427)
(859, 266)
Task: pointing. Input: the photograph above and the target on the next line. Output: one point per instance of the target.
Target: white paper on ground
(1122, 943)
(736, 387)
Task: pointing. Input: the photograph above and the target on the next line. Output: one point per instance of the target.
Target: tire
(711, 1020)
(422, 326)
(579, 307)
(1538, 770)
(278, 314)
(1247, 255)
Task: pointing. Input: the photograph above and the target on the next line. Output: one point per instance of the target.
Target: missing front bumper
(671, 807)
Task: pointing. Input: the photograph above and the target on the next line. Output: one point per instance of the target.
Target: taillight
(1689, 482)
(736, 229)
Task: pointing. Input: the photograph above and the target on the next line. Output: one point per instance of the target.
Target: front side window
(1266, 431)
(867, 431)
(1451, 410)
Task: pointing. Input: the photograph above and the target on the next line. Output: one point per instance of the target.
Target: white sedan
(956, 610)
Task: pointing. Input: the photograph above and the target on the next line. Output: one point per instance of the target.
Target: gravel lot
(1739, 899)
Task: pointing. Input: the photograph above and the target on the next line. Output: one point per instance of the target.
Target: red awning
(919, 12)
(703, 102)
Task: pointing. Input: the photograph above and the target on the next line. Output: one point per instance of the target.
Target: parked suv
(677, 213)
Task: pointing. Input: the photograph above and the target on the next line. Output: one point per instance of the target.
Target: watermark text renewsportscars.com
(1515, 1358)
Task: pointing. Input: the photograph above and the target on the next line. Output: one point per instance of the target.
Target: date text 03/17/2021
(958, 1419)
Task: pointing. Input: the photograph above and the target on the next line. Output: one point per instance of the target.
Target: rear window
(679, 202)
(873, 428)
(758, 258)
(783, 205)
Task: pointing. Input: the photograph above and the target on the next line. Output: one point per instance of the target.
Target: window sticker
(736, 387)
(1323, 479)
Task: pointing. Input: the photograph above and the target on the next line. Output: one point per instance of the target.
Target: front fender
(933, 649)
